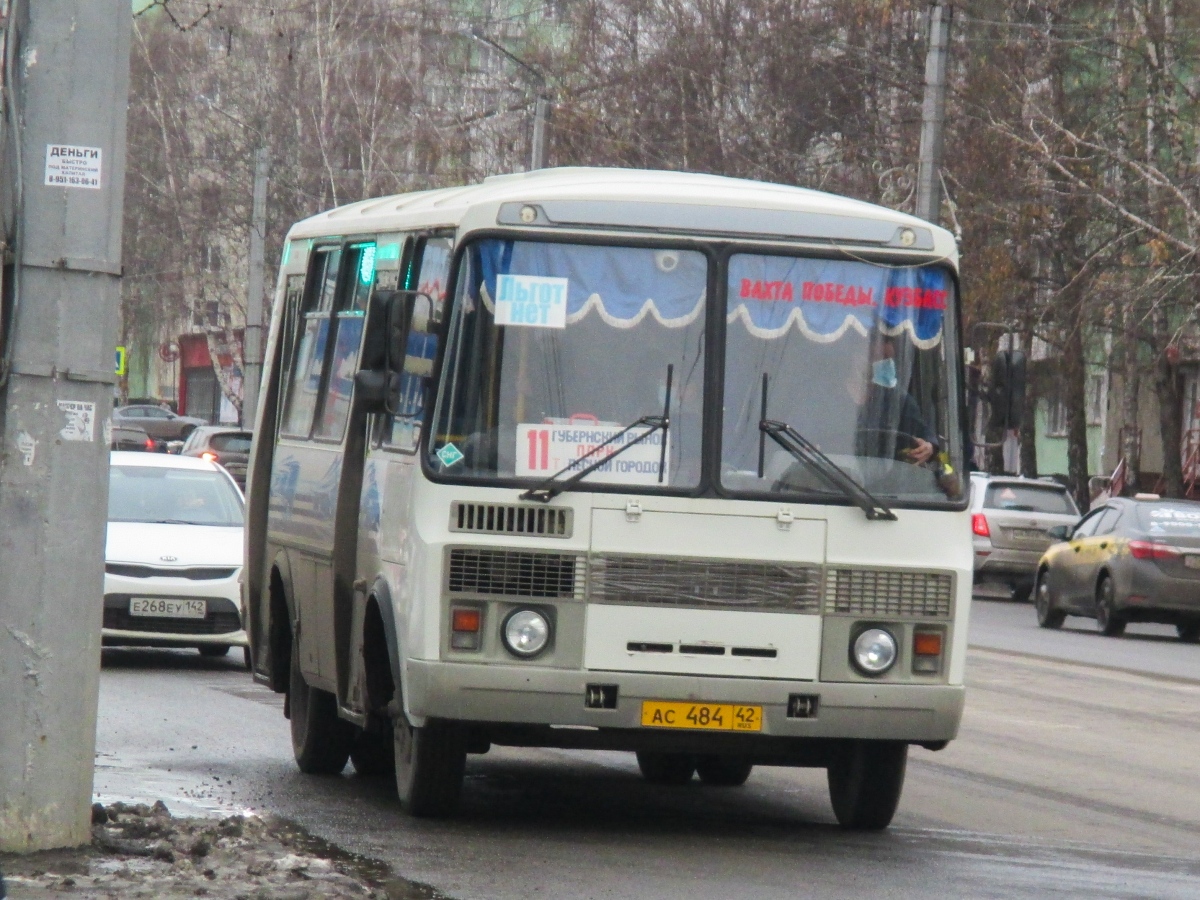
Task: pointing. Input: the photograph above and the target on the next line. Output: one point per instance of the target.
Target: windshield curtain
(857, 359)
(172, 496)
(553, 348)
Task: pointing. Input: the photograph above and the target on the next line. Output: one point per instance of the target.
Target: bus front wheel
(320, 738)
(429, 766)
(865, 782)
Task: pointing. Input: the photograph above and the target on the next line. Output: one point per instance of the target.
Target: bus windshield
(555, 348)
(854, 356)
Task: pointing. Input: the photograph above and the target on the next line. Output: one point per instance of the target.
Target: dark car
(227, 445)
(1129, 560)
(157, 421)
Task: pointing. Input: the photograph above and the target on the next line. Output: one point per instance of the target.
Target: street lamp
(541, 109)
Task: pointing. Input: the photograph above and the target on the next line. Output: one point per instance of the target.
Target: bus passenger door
(309, 467)
(392, 464)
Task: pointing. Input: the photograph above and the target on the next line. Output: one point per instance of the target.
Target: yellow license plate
(704, 716)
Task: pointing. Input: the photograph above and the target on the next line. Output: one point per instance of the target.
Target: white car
(1009, 521)
(174, 555)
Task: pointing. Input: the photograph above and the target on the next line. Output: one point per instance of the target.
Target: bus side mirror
(1006, 391)
(385, 343)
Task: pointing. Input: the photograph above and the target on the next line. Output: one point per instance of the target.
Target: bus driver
(889, 419)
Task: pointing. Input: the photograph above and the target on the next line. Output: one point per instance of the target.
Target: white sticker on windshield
(532, 301)
(545, 449)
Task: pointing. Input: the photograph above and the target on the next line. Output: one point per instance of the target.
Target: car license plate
(160, 607)
(1192, 561)
(1030, 534)
(704, 716)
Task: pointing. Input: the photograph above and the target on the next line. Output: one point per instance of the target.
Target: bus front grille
(705, 584)
(888, 592)
(507, 518)
(515, 573)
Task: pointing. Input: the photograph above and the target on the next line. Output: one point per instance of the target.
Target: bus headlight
(525, 632)
(874, 651)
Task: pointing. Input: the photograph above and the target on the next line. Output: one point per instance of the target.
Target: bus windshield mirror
(810, 455)
(551, 487)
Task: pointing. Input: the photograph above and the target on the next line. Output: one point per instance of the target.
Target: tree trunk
(1028, 435)
(1130, 449)
(1166, 387)
(1075, 398)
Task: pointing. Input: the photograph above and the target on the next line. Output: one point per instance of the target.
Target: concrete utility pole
(67, 94)
(933, 114)
(541, 109)
(252, 339)
(537, 154)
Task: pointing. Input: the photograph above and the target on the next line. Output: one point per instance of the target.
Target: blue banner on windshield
(622, 285)
(824, 298)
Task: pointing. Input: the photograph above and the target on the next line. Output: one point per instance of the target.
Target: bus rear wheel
(320, 738)
(723, 771)
(865, 782)
(666, 768)
(430, 762)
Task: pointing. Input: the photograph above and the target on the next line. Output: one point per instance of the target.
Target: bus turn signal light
(927, 652)
(465, 628)
(927, 643)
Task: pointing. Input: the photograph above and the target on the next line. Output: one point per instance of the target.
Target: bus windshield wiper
(551, 487)
(806, 452)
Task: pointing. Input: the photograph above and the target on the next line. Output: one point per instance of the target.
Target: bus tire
(320, 739)
(429, 765)
(666, 768)
(723, 771)
(865, 783)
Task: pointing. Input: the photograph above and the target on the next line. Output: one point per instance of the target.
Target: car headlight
(525, 632)
(874, 651)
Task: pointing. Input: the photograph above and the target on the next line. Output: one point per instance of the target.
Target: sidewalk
(143, 851)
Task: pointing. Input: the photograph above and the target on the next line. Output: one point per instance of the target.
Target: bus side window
(308, 358)
(350, 313)
(430, 278)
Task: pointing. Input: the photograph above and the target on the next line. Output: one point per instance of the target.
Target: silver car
(1009, 518)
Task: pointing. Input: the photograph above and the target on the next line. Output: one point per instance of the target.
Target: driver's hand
(921, 452)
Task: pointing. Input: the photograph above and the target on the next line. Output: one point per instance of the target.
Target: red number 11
(535, 437)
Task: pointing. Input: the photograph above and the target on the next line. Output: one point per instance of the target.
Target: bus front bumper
(515, 695)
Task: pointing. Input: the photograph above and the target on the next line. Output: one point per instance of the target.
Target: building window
(1095, 399)
(210, 259)
(1056, 416)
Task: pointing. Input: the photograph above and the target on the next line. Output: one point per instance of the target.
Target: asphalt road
(1075, 774)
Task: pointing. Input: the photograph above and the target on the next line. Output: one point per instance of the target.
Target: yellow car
(1126, 561)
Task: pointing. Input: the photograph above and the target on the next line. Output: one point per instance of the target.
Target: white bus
(614, 459)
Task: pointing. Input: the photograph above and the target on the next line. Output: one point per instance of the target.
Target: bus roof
(625, 199)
